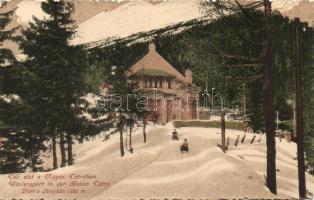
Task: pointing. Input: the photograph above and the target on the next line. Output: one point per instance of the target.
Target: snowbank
(157, 169)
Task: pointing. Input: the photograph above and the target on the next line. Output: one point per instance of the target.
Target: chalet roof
(153, 61)
(152, 72)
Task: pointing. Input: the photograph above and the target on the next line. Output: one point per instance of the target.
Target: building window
(150, 83)
(169, 84)
(156, 83)
(145, 83)
(160, 83)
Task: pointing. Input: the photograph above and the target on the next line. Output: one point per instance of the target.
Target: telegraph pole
(271, 181)
(299, 110)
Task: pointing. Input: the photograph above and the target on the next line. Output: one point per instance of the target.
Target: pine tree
(11, 157)
(59, 69)
(124, 92)
(22, 145)
(6, 55)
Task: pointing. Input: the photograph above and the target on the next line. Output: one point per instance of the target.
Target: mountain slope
(135, 17)
(83, 10)
(99, 20)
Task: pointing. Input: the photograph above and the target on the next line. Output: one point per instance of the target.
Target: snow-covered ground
(157, 169)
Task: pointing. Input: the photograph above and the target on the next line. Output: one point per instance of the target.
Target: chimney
(152, 47)
(188, 76)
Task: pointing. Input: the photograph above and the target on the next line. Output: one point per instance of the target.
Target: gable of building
(153, 62)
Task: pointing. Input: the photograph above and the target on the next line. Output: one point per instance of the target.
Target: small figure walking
(185, 146)
(175, 135)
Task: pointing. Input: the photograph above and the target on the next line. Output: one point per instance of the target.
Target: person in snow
(175, 135)
(185, 146)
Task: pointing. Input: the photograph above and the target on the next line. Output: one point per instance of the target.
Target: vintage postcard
(156, 99)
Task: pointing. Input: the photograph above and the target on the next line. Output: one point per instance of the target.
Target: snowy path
(204, 172)
(157, 169)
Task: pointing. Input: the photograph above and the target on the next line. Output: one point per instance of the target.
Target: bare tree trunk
(54, 151)
(269, 100)
(237, 141)
(299, 113)
(121, 142)
(70, 153)
(62, 149)
(223, 132)
(34, 160)
(144, 128)
(130, 144)
(243, 138)
(253, 139)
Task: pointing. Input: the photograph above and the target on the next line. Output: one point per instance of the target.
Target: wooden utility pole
(269, 100)
(299, 110)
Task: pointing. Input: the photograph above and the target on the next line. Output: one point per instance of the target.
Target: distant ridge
(134, 17)
(104, 19)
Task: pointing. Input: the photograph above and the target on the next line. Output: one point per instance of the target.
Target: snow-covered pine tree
(126, 89)
(59, 69)
(19, 147)
(9, 154)
(6, 55)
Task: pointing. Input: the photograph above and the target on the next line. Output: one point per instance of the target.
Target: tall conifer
(59, 68)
